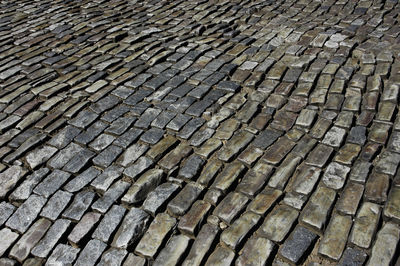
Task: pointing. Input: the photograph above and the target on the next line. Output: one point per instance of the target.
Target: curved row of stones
(199, 132)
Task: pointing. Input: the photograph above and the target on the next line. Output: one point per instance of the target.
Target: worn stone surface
(8, 237)
(256, 251)
(131, 228)
(48, 242)
(385, 246)
(365, 225)
(201, 246)
(318, 207)
(91, 253)
(63, 254)
(155, 235)
(173, 251)
(278, 223)
(334, 240)
(24, 216)
(116, 113)
(22, 248)
(239, 229)
(297, 244)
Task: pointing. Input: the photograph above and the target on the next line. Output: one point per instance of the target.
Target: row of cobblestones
(199, 132)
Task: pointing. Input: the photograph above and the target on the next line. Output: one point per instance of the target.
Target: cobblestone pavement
(199, 132)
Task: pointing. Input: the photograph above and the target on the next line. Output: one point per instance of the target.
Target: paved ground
(199, 132)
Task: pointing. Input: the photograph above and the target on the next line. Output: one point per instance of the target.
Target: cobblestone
(199, 133)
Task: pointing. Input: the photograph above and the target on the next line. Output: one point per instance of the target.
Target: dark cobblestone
(199, 133)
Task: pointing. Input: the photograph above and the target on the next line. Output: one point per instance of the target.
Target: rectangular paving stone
(266, 138)
(191, 167)
(82, 179)
(392, 208)
(353, 256)
(377, 187)
(304, 179)
(138, 167)
(63, 254)
(28, 144)
(319, 155)
(24, 190)
(79, 161)
(278, 223)
(359, 171)
(6, 209)
(235, 145)
(79, 205)
(335, 237)
(110, 196)
(9, 178)
(240, 228)
(140, 189)
(250, 155)
(220, 256)
(231, 206)
(132, 153)
(278, 150)
(175, 156)
(8, 238)
(55, 205)
(47, 243)
(335, 175)
(101, 142)
(113, 256)
(159, 197)
(64, 137)
(228, 176)
(192, 220)
(84, 119)
(320, 128)
(201, 245)
(40, 156)
(104, 180)
(91, 253)
(131, 229)
(128, 137)
(254, 180)
(318, 207)
(184, 199)
(107, 156)
(22, 248)
(51, 183)
(120, 125)
(387, 162)
(63, 156)
(24, 216)
(187, 131)
(152, 136)
(384, 248)
(350, 198)
(83, 227)
(334, 137)
(91, 132)
(297, 244)
(256, 250)
(152, 240)
(282, 174)
(365, 225)
(173, 251)
(134, 260)
(109, 223)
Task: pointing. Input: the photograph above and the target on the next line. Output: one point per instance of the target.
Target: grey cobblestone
(271, 129)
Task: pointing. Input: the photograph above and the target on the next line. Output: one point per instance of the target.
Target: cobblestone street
(253, 132)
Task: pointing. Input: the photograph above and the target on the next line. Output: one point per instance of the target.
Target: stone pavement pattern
(199, 132)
